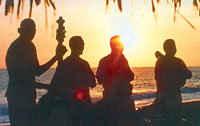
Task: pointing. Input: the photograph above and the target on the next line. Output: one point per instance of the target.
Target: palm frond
(18, 8)
(46, 2)
(37, 2)
(31, 7)
(23, 1)
(195, 3)
(46, 18)
(183, 17)
(52, 4)
(153, 6)
(120, 5)
(9, 7)
(107, 3)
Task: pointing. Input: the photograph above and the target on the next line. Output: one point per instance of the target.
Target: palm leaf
(120, 5)
(107, 3)
(23, 1)
(47, 2)
(9, 7)
(52, 4)
(37, 2)
(18, 8)
(153, 6)
(199, 8)
(179, 3)
(184, 18)
(46, 19)
(31, 7)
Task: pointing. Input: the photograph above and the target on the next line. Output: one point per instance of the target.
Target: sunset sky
(88, 18)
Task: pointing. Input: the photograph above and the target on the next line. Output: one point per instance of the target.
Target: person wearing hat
(22, 65)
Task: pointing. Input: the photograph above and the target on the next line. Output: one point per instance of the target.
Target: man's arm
(41, 69)
(157, 71)
(101, 74)
(91, 78)
(187, 73)
(128, 74)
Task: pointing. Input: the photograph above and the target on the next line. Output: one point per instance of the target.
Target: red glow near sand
(80, 94)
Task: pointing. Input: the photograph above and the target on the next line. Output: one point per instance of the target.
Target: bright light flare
(127, 39)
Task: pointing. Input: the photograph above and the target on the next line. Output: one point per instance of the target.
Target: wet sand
(190, 114)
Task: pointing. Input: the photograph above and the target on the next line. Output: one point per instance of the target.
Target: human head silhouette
(116, 45)
(169, 47)
(76, 45)
(27, 29)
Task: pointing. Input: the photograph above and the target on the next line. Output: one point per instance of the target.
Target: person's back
(114, 69)
(115, 75)
(74, 76)
(21, 67)
(170, 74)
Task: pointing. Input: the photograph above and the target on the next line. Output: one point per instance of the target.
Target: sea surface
(144, 88)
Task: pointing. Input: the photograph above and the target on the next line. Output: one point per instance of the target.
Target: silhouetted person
(170, 74)
(115, 75)
(22, 65)
(72, 80)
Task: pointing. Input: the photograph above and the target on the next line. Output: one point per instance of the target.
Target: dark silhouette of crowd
(70, 87)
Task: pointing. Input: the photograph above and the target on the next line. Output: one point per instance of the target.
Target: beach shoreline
(190, 112)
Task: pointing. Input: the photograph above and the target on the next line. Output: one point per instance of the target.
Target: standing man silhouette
(114, 68)
(74, 76)
(22, 65)
(170, 74)
(71, 82)
(115, 75)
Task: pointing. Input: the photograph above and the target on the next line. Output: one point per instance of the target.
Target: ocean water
(144, 88)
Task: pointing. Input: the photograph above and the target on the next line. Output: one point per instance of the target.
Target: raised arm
(59, 52)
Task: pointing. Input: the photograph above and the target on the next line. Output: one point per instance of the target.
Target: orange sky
(89, 19)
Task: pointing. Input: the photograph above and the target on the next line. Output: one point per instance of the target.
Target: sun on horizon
(142, 31)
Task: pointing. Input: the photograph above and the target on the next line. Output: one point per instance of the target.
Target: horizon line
(130, 67)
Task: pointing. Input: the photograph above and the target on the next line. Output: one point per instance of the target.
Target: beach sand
(190, 112)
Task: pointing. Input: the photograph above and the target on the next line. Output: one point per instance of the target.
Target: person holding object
(22, 65)
(170, 75)
(71, 82)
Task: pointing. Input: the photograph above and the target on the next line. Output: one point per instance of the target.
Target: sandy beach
(190, 114)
